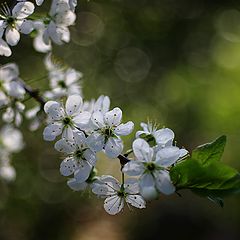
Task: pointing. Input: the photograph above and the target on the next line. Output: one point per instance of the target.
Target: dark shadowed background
(170, 61)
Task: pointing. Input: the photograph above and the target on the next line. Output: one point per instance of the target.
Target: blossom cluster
(81, 129)
(47, 29)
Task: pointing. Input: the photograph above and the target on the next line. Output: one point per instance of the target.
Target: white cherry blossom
(108, 129)
(10, 85)
(65, 121)
(80, 159)
(13, 114)
(153, 167)
(13, 23)
(56, 25)
(117, 194)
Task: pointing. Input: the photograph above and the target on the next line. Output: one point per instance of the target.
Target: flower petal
(142, 150)
(83, 171)
(65, 146)
(102, 104)
(113, 117)
(113, 204)
(133, 168)
(164, 137)
(124, 128)
(167, 156)
(136, 201)
(90, 156)
(163, 183)
(68, 166)
(98, 120)
(113, 147)
(96, 142)
(12, 36)
(52, 131)
(23, 10)
(147, 180)
(76, 185)
(25, 26)
(54, 110)
(82, 120)
(73, 105)
(4, 49)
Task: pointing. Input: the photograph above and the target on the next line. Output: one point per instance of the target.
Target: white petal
(79, 137)
(167, 156)
(113, 147)
(39, 45)
(147, 180)
(14, 89)
(110, 182)
(131, 186)
(102, 104)
(39, 2)
(4, 49)
(23, 10)
(142, 150)
(97, 119)
(113, 117)
(133, 168)
(65, 146)
(124, 129)
(96, 141)
(82, 120)
(164, 137)
(164, 184)
(12, 36)
(52, 131)
(102, 190)
(72, 76)
(73, 105)
(83, 171)
(90, 156)
(136, 201)
(76, 185)
(68, 166)
(25, 26)
(113, 205)
(54, 110)
(68, 133)
(149, 193)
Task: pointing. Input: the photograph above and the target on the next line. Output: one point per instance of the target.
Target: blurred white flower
(11, 139)
(13, 114)
(116, 194)
(10, 85)
(108, 129)
(56, 25)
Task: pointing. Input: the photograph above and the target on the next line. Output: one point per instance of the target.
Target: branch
(34, 93)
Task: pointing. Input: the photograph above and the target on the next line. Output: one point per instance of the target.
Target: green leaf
(205, 175)
(210, 151)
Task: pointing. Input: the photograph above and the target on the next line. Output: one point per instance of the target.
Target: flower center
(120, 194)
(62, 84)
(151, 166)
(67, 121)
(11, 21)
(108, 132)
(79, 153)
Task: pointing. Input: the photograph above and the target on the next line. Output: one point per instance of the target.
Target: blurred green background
(170, 61)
